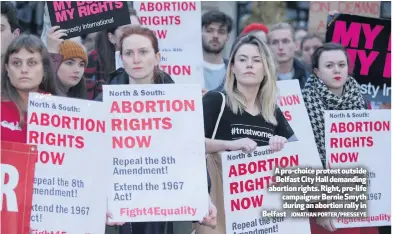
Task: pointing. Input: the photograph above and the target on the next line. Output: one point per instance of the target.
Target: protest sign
(69, 186)
(246, 180)
(83, 17)
(181, 56)
(152, 141)
(18, 162)
(291, 103)
(319, 11)
(362, 138)
(368, 43)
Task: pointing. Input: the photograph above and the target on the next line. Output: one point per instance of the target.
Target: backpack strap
(219, 116)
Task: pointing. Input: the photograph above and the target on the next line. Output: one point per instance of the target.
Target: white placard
(157, 149)
(362, 138)
(177, 26)
(291, 103)
(69, 193)
(246, 181)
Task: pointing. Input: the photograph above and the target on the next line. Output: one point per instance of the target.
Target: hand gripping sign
(18, 162)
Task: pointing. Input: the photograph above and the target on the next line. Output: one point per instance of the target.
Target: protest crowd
(240, 104)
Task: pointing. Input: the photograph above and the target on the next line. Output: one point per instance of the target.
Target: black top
(301, 73)
(245, 125)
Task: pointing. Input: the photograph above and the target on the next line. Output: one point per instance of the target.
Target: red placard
(18, 162)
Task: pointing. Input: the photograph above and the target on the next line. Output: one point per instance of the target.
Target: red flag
(18, 163)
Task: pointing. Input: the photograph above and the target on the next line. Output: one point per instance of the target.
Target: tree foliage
(267, 12)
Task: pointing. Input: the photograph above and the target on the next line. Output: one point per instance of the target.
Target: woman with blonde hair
(244, 115)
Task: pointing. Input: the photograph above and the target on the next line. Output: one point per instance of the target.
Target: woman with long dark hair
(26, 68)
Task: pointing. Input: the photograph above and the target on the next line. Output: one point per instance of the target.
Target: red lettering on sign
(160, 20)
(152, 106)
(160, 33)
(263, 165)
(359, 8)
(344, 157)
(55, 158)
(289, 100)
(56, 139)
(351, 142)
(316, 6)
(67, 122)
(252, 184)
(140, 124)
(177, 69)
(246, 203)
(131, 142)
(287, 115)
(168, 6)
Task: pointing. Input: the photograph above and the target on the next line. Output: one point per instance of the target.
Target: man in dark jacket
(281, 39)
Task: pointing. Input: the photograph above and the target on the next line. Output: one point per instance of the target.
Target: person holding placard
(26, 68)
(69, 60)
(140, 55)
(244, 115)
(105, 58)
(330, 88)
